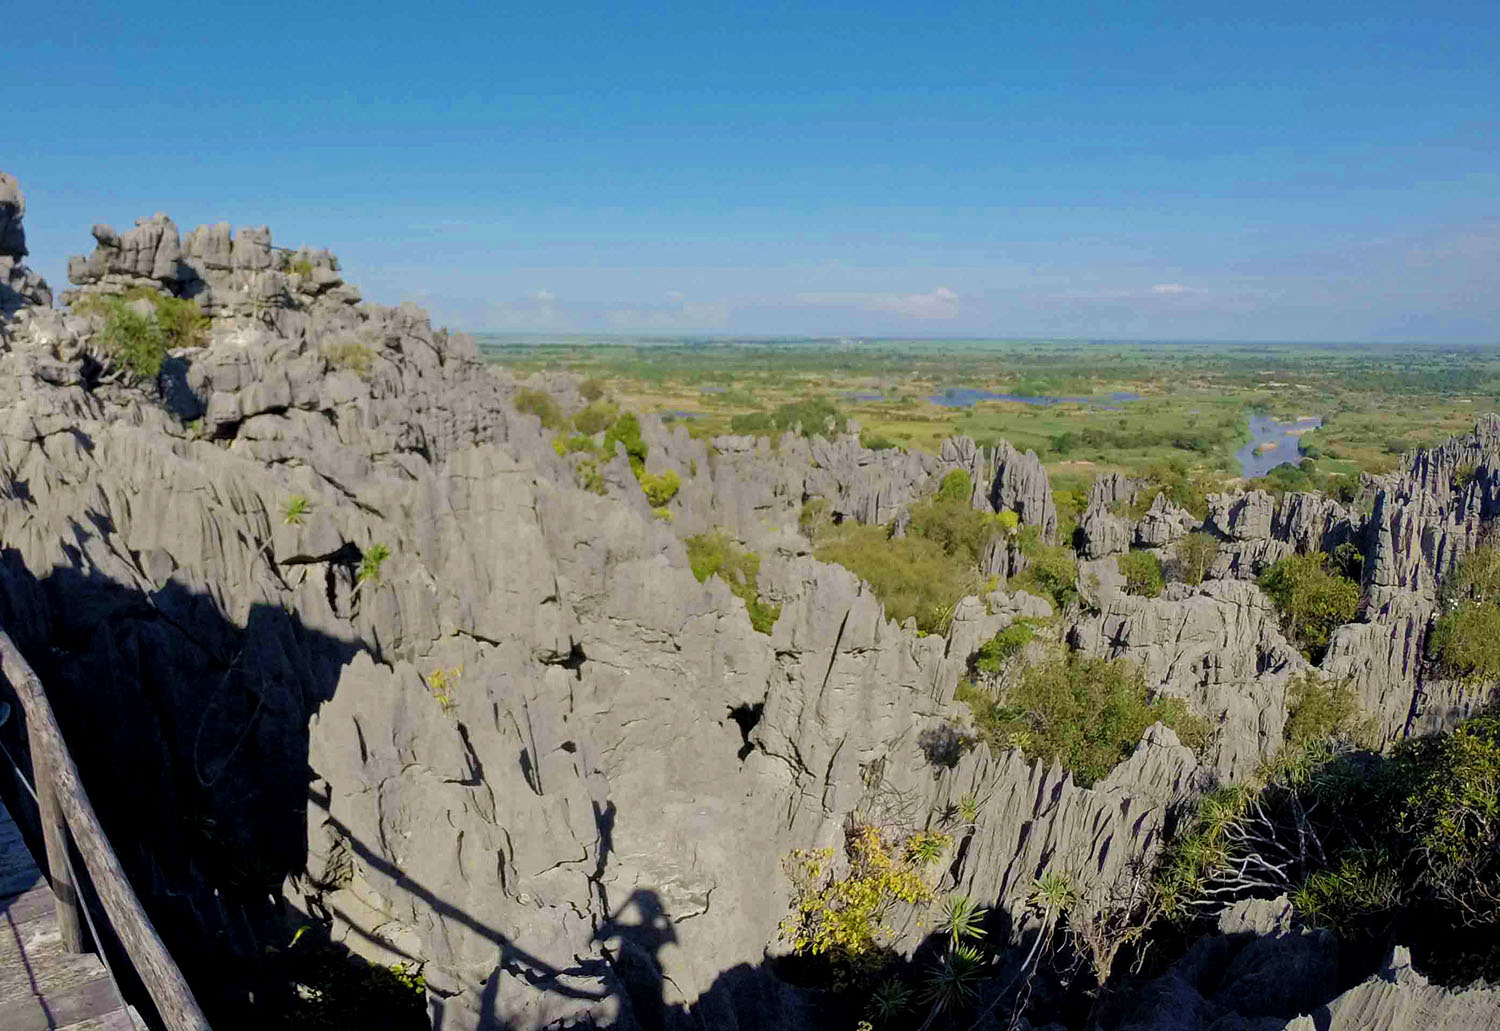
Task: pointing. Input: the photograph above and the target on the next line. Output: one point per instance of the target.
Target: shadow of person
(641, 927)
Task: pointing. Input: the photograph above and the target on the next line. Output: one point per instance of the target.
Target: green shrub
(876, 442)
(1196, 554)
(1052, 572)
(660, 488)
(1312, 600)
(134, 340)
(591, 390)
(715, 554)
(994, 653)
(1452, 817)
(626, 431)
(350, 356)
(541, 405)
(182, 321)
(947, 519)
(595, 417)
(1143, 575)
(1318, 710)
(1086, 714)
(912, 576)
(811, 417)
(1466, 637)
(956, 486)
(141, 342)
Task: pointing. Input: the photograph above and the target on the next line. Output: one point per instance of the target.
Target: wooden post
(55, 837)
(148, 954)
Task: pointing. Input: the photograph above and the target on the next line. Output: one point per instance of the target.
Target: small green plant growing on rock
(715, 554)
(627, 432)
(295, 510)
(441, 682)
(591, 389)
(349, 356)
(540, 404)
(660, 488)
(370, 563)
(134, 340)
(297, 265)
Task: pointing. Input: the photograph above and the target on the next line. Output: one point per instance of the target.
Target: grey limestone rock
(1398, 998)
(19, 286)
(1164, 524)
(1020, 484)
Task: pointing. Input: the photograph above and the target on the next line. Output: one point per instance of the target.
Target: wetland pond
(1273, 443)
(967, 397)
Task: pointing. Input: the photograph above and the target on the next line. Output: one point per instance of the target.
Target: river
(1284, 440)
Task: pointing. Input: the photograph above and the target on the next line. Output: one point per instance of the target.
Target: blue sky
(1326, 171)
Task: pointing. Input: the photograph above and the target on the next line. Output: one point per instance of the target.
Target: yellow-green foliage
(595, 417)
(1086, 714)
(843, 917)
(715, 554)
(591, 389)
(1318, 710)
(912, 576)
(1312, 599)
(1466, 637)
(540, 404)
(660, 488)
(1143, 575)
(350, 356)
(442, 682)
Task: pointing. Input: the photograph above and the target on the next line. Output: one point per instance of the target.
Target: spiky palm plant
(890, 1000)
(954, 983)
(962, 919)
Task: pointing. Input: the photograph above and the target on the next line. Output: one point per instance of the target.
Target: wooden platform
(43, 988)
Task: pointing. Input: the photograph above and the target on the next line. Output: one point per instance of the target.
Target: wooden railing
(65, 808)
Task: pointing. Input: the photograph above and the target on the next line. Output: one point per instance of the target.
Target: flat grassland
(1116, 406)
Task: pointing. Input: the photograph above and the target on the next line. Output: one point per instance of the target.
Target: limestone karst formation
(242, 582)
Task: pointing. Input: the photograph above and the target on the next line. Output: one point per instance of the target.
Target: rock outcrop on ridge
(339, 639)
(19, 286)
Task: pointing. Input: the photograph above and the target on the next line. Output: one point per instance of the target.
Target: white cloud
(545, 296)
(938, 303)
(1171, 289)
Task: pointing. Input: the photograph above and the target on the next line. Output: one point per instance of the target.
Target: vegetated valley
(747, 686)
